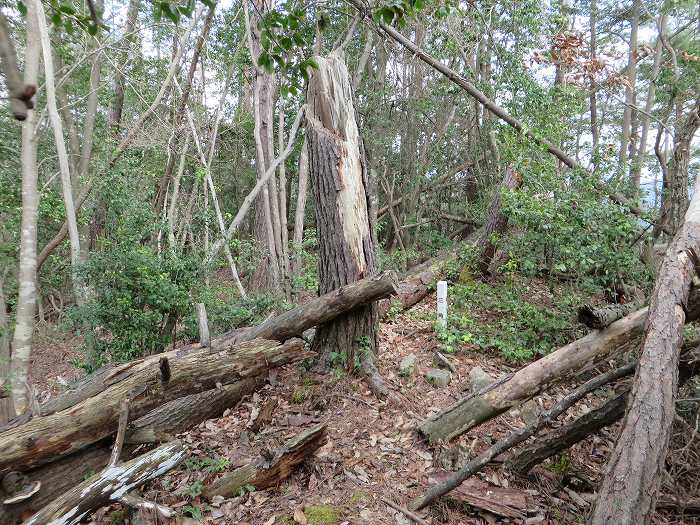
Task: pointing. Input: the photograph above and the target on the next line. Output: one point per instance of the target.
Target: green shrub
(136, 300)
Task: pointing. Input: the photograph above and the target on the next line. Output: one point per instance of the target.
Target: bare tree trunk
(115, 114)
(282, 198)
(594, 96)
(267, 275)
(629, 91)
(26, 276)
(6, 408)
(496, 221)
(340, 187)
(57, 126)
(628, 492)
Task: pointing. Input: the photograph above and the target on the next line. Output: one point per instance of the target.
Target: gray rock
(438, 377)
(408, 365)
(479, 379)
(440, 361)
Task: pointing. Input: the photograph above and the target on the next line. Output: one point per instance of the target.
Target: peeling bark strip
(340, 187)
(568, 435)
(264, 473)
(536, 377)
(108, 486)
(629, 489)
(43, 438)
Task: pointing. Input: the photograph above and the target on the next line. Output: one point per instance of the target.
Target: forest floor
(372, 449)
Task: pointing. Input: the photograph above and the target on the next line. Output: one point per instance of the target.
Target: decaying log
(640, 451)
(291, 323)
(536, 377)
(602, 316)
(44, 438)
(110, 485)
(496, 220)
(264, 472)
(179, 415)
(609, 413)
(518, 436)
(56, 478)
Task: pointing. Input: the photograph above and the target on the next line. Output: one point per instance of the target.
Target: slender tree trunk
(267, 275)
(628, 492)
(282, 197)
(593, 87)
(6, 408)
(26, 276)
(115, 114)
(629, 91)
(57, 126)
(20, 92)
(636, 167)
(339, 180)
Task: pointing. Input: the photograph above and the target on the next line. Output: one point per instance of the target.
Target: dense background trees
(157, 126)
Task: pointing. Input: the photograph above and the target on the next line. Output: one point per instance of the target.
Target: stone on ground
(408, 365)
(438, 377)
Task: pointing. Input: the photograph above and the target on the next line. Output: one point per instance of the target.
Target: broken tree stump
(263, 473)
(536, 377)
(110, 485)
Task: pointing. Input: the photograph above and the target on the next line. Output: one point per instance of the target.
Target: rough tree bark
(674, 196)
(628, 492)
(26, 276)
(536, 377)
(115, 114)
(339, 180)
(602, 316)
(496, 220)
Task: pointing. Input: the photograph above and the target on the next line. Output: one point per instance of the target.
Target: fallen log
(327, 307)
(640, 451)
(609, 413)
(417, 283)
(179, 415)
(110, 485)
(562, 364)
(281, 327)
(263, 473)
(602, 316)
(515, 438)
(148, 383)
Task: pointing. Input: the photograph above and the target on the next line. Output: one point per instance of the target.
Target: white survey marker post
(442, 303)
